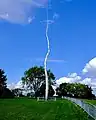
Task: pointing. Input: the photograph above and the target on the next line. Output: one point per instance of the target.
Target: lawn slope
(91, 102)
(28, 109)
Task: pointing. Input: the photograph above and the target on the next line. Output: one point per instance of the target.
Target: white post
(46, 57)
(37, 98)
(46, 90)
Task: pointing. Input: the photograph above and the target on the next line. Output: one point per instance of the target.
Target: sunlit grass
(28, 109)
(91, 102)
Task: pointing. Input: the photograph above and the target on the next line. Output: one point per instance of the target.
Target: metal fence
(89, 108)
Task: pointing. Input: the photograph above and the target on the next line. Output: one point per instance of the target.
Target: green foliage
(90, 101)
(28, 94)
(7, 93)
(28, 109)
(41, 91)
(17, 92)
(35, 77)
(76, 90)
(4, 92)
(3, 80)
(62, 90)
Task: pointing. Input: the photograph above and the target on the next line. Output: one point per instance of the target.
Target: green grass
(91, 102)
(28, 109)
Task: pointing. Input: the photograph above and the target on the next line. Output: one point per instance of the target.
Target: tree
(7, 93)
(3, 80)
(4, 91)
(82, 91)
(30, 94)
(62, 89)
(35, 77)
(17, 92)
(41, 91)
(76, 90)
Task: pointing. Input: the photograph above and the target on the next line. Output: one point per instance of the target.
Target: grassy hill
(28, 109)
(91, 101)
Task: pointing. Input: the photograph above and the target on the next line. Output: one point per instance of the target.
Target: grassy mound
(91, 101)
(28, 109)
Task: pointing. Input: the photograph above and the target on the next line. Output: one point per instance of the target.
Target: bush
(6, 93)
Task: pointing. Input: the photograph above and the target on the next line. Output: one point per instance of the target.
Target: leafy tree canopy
(4, 91)
(76, 90)
(3, 78)
(35, 77)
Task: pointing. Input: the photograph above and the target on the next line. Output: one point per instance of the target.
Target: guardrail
(89, 108)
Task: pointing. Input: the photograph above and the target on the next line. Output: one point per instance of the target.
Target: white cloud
(55, 16)
(15, 85)
(74, 78)
(56, 60)
(11, 86)
(18, 11)
(93, 84)
(71, 78)
(86, 81)
(62, 80)
(51, 60)
(19, 85)
(90, 68)
(90, 71)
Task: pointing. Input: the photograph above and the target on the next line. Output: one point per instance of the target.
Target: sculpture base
(43, 99)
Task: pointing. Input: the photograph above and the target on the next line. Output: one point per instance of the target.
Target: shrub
(6, 93)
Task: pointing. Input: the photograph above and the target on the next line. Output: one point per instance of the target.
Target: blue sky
(72, 40)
